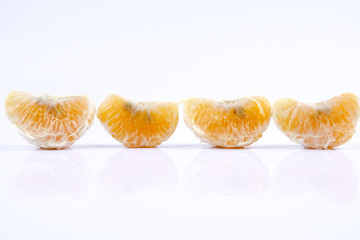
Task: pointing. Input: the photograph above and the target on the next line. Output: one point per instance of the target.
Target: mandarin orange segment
(228, 124)
(49, 122)
(142, 124)
(320, 125)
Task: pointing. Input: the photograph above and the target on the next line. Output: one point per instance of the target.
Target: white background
(172, 50)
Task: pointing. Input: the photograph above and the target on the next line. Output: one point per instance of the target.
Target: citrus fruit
(228, 124)
(142, 124)
(49, 122)
(320, 125)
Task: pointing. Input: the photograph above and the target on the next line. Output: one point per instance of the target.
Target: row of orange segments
(57, 122)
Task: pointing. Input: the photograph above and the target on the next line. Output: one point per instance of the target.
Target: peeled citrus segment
(229, 124)
(142, 124)
(50, 122)
(321, 125)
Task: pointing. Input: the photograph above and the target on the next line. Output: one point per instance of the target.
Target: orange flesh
(321, 125)
(49, 122)
(138, 124)
(229, 123)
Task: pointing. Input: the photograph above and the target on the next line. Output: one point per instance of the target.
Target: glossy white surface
(171, 50)
(179, 191)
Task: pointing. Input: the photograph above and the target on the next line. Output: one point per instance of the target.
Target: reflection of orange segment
(52, 174)
(325, 174)
(240, 174)
(133, 172)
(143, 124)
(229, 124)
(323, 125)
(50, 122)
